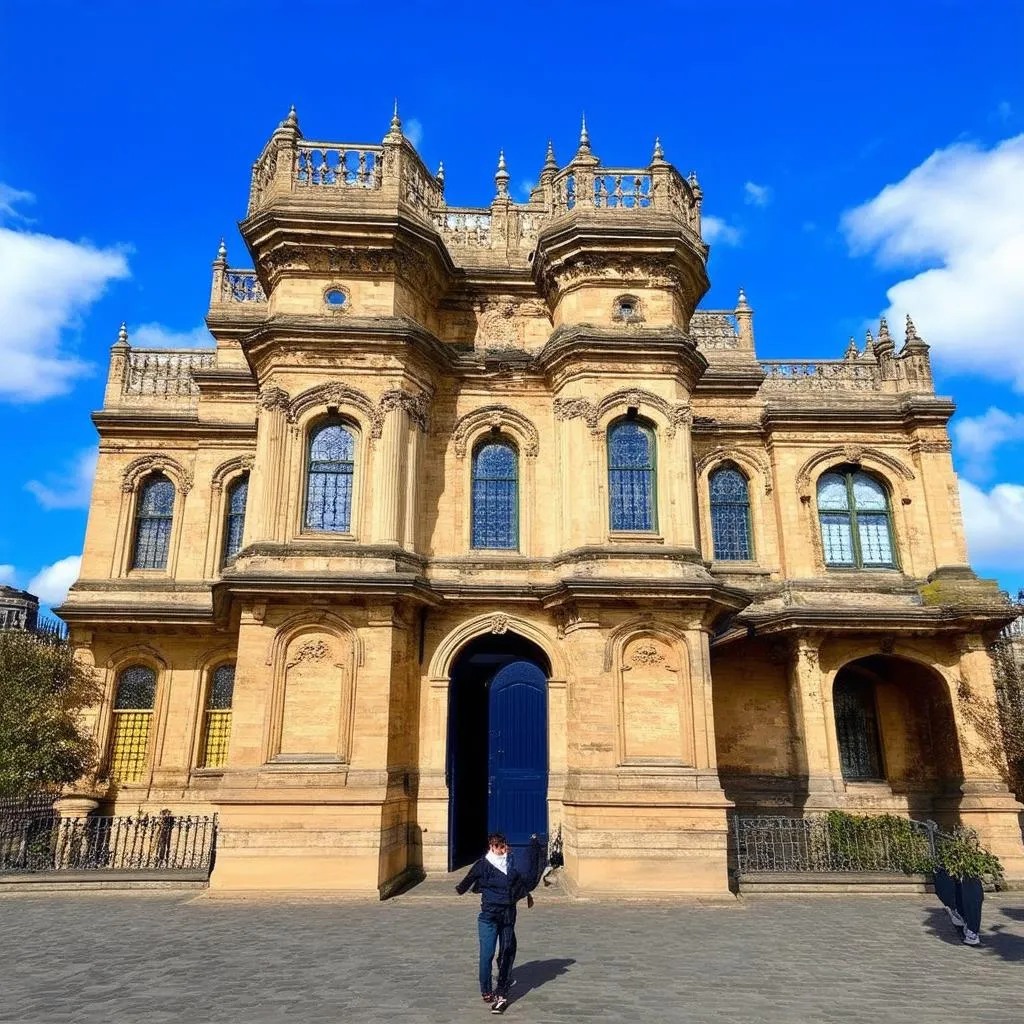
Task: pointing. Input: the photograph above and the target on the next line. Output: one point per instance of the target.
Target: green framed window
(856, 520)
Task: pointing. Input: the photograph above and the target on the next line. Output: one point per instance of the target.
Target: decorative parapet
(821, 375)
(165, 373)
(715, 329)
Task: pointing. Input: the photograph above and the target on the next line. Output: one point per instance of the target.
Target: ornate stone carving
(500, 417)
(846, 453)
(416, 406)
(576, 408)
(273, 398)
(311, 650)
(156, 463)
(499, 623)
(241, 464)
(334, 393)
(647, 654)
(853, 453)
(631, 398)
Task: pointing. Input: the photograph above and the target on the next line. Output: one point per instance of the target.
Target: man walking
(501, 885)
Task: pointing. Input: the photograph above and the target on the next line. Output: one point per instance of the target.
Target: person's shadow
(535, 973)
(995, 939)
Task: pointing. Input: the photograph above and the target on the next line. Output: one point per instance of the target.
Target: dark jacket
(499, 891)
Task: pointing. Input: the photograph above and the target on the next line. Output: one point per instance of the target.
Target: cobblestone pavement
(121, 958)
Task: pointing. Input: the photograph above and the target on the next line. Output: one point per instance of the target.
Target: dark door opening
(497, 763)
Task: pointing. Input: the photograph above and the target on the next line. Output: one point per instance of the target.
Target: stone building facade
(18, 609)
(474, 518)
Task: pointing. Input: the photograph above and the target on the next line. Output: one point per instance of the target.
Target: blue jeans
(496, 927)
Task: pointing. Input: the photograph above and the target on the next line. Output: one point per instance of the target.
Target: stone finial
(869, 345)
(122, 336)
(885, 342)
(911, 334)
(440, 173)
(290, 125)
(659, 153)
(744, 322)
(550, 163)
(851, 350)
(222, 254)
(742, 306)
(395, 131)
(584, 146)
(501, 176)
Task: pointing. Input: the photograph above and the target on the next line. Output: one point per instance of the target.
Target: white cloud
(756, 195)
(9, 197)
(526, 187)
(51, 583)
(7, 575)
(159, 336)
(960, 217)
(413, 131)
(977, 437)
(715, 229)
(48, 284)
(70, 489)
(994, 522)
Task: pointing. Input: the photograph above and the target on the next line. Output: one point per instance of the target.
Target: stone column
(389, 476)
(72, 840)
(268, 484)
(813, 728)
(687, 487)
(987, 805)
(412, 491)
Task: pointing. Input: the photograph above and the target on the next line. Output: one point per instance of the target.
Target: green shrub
(962, 855)
(883, 842)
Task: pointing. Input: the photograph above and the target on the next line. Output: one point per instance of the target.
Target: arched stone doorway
(497, 752)
(894, 723)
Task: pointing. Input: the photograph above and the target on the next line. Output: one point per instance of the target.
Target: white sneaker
(955, 917)
(971, 938)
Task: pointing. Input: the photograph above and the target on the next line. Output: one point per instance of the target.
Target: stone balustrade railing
(465, 227)
(821, 375)
(164, 373)
(336, 166)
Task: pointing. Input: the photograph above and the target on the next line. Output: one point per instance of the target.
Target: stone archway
(894, 722)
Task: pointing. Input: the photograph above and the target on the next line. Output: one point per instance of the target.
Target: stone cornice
(572, 345)
(900, 412)
(146, 423)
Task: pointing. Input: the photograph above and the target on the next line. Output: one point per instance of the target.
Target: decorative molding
(157, 462)
(417, 406)
(239, 464)
(856, 455)
(499, 623)
(337, 394)
(273, 398)
(750, 460)
(496, 417)
(647, 654)
(631, 398)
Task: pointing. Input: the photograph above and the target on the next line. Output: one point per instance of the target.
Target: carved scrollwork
(417, 406)
(750, 461)
(631, 398)
(858, 455)
(240, 464)
(156, 463)
(496, 417)
(499, 623)
(273, 398)
(335, 394)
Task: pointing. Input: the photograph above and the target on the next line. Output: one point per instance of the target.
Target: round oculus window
(335, 297)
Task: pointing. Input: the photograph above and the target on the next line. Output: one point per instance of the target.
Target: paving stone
(124, 959)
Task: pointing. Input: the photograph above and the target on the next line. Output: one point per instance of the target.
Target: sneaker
(957, 920)
(500, 1004)
(971, 938)
(488, 997)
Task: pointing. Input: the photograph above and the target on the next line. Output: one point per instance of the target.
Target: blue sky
(855, 159)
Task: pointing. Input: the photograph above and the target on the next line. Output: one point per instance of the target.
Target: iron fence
(834, 843)
(32, 843)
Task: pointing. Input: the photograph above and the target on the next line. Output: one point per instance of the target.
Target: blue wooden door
(518, 755)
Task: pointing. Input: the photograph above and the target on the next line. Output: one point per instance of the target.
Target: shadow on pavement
(995, 939)
(535, 973)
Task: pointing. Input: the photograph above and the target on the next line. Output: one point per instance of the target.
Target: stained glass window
(495, 496)
(154, 517)
(631, 492)
(856, 524)
(329, 490)
(860, 755)
(730, 515)
(132, 714)
(234, 524)
(217, 724)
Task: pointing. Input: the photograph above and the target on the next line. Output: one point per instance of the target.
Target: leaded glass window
(631, 485)
(860, 756)
(332, 450)
(217, 718)
(154, 517)
(234, 525)
(730, 515)
(856, 524)
(132, 714)
(495, 510)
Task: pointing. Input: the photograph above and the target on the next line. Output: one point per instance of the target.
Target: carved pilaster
(390, 473)
(268, 483)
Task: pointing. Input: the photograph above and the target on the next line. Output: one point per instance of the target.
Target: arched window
(730, 515)
(154, 516)
(332, 449)
(856, 524)
(133, 714)
(860, 756)
(495, 511)
(631, 485)
(234, 522)
(217, 718)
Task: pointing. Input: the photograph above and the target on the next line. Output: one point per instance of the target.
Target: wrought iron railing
(43, 842)
(834, 843)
